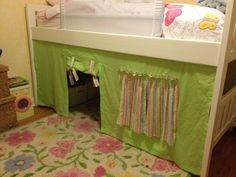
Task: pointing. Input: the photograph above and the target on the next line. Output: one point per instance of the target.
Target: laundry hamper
(7, 113)
(4, 86)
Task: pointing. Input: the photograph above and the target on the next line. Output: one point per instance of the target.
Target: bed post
(220, 119)
(31, 22)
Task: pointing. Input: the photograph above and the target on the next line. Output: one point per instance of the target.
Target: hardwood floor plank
(224, 157)
(39, 112)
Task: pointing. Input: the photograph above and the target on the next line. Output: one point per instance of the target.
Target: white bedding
(109, 8)
(191, 22)
(181, 21)
(107, 16)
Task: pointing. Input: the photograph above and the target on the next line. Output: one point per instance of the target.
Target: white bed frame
(223, 108)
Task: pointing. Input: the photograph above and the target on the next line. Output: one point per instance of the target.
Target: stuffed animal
(217, 4)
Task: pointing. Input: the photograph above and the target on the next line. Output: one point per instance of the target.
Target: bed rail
(205, 53)
(223, 108)
(227, 103)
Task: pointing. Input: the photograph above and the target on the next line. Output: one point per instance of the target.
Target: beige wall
(182, 1)
(13, 37)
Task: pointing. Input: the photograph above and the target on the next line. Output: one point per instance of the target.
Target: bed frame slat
(227, 114)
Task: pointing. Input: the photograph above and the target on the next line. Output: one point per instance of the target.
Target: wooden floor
(223, 162)
(39, 112)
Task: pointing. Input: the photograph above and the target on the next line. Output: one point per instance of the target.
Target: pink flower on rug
(55, 120)
(160, 165)
(173, 167)
(107, 145)
(59, 152)
(67, 144)
(100, 171)
(74, 172)
(20, 137)
(86, 126)
(64, 147)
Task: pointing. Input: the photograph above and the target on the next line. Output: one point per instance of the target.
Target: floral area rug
(57, 146)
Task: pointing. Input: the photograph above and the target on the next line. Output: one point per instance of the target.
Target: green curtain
(195, 84)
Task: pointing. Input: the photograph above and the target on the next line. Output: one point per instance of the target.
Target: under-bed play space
(165, 71)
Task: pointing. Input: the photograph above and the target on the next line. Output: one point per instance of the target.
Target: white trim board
(30, 10)
(198, 52)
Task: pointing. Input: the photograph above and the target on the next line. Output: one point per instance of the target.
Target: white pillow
(185, 21)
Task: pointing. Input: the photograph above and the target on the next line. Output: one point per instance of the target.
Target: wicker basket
(7, 113)
(4, 86)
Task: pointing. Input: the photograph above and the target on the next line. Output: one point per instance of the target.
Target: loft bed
(217, 55)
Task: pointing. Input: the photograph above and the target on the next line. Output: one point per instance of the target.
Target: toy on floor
(21, 89)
